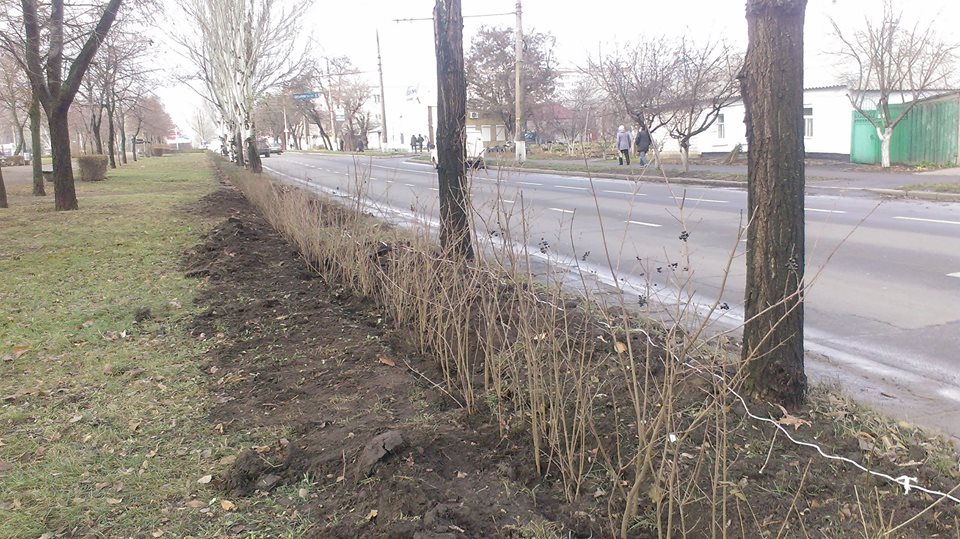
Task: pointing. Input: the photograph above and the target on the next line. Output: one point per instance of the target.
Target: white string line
(908, 483)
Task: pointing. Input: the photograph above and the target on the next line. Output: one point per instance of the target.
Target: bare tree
(772, 89)
(704, 81)
(54, 91)
(344, 89)
(890, 59)
(15, 96)
(201, 123)
(241, 50)
(491, 80)
(639, 80)
(455, 239)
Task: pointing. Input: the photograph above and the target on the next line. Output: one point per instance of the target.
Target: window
(808, 121)
(376, 98)
(721, 130)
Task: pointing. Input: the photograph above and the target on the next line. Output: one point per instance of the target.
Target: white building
(827, 123)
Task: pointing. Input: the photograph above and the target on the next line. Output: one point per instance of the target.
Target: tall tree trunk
(18, 126)
(772, 89)
(3, 190)
(111, 138)
(253, 155)
(96, 120)
(64, 192)
(885, 135)
(685, 155)
(123, 140)
(455, 237)
(36, 149)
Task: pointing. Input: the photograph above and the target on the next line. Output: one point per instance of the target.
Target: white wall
(831, 122)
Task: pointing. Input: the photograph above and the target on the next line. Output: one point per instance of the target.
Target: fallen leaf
(86, 324)
(227, 460)
(205, 479)
(101, 486)
(196, 504)
(76, 418)
(387, 361)
(461, 475)
(227, 505)
(600, 493)
(619, 347)
(114, 501)
(157, 533)
(19, 351)
(790, 420)
(372, 514)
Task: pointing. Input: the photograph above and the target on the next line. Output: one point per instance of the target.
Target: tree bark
(123, 140)
(18, 125)
(885, 137)
(36, 150)
(253, 155)
(772, 89)
(64, 191)
(96, 120)
(3, 191)
(111, 138)
(455, 239)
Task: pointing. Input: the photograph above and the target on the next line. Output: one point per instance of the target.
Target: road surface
(882, 307)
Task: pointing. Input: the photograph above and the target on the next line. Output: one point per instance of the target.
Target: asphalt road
(883, 305)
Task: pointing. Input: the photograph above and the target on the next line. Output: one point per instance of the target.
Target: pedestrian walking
(413, 143)
(623, 144)
(419, 143)
(642, 144)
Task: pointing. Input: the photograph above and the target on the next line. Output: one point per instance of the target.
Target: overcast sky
(348, 28)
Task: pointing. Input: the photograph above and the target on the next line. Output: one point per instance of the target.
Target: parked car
(263, 148)
(276, 147)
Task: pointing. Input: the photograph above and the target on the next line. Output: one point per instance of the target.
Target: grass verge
(943, 187)
(104, 430)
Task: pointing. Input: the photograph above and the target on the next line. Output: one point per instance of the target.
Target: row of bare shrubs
(622, 412)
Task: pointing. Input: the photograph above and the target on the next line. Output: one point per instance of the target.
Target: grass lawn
(104, 428)
(944, 187)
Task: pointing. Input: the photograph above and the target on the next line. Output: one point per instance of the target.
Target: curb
(921, 195)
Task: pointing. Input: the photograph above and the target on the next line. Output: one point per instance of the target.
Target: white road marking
(708, 200)
(957, 275)
(530, 183)
(409, 185)
(561, 210)
(569, 187)
(626, 193)
(507, 201)
(389, 181)
(494, 180)
(941, 221)
(824, 211)
(395, 169)
(433, 188)
(641, 223)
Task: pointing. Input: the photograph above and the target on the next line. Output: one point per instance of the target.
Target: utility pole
(519, 141)
(383, 95)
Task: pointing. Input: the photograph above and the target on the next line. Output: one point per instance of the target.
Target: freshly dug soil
(305, 357)
(371, 447)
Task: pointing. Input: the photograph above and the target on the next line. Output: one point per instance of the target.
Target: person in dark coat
(642, 144)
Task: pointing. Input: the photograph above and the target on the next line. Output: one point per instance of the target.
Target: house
(827, 126)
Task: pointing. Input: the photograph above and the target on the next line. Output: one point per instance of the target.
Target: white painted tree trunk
(885, 135)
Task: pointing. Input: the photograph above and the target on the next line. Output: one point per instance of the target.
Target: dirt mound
(382, 452)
